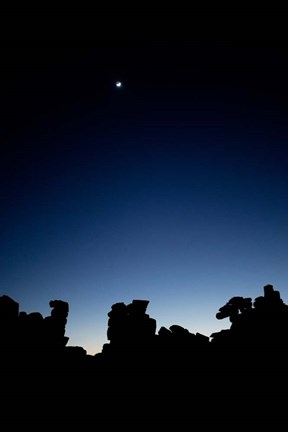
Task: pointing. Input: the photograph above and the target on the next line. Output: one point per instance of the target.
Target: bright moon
(118, 84)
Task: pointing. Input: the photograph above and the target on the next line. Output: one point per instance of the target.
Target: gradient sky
(172, 188)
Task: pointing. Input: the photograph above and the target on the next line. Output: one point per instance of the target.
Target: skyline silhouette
(234, 375)
(253, 324)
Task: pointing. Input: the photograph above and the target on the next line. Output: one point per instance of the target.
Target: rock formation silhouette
(239, 365)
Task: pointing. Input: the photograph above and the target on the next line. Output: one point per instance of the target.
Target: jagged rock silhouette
(171, 365)
(257, 325)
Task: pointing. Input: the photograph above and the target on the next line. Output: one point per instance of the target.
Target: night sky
(171, 188)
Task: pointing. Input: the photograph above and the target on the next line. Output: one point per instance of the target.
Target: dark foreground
(172, 379)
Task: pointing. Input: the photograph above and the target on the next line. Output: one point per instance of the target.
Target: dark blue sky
(172, 188)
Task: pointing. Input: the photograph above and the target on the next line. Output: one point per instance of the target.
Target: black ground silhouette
(174, 375)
